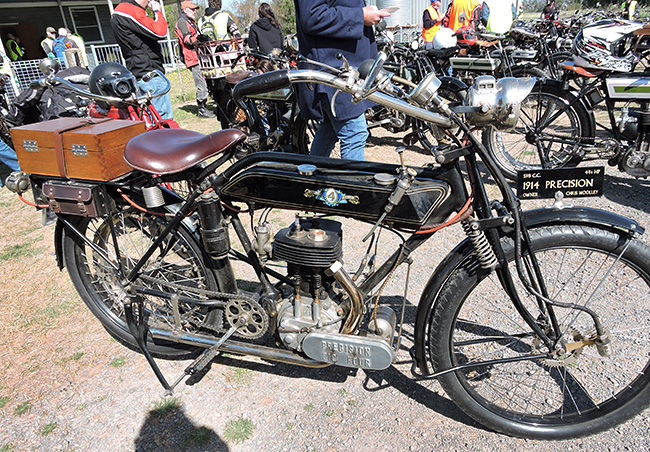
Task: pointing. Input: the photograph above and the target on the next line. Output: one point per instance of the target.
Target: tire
(302, 134)
(179, 261)
(575, 395)
(529, 146)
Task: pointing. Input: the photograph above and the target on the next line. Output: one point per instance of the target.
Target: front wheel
(550, 133)
(568, 394)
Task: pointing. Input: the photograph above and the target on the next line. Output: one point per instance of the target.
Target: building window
(85, 22)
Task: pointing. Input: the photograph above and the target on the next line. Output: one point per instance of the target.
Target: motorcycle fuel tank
(629, 86)
(347, 188)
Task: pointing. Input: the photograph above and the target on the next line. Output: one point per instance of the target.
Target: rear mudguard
(534, 218)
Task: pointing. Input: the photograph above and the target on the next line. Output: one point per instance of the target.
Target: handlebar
(283, 78)
(133, 99)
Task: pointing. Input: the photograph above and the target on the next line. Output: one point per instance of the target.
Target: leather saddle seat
(169, 151)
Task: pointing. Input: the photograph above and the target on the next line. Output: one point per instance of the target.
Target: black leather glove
(203, 38)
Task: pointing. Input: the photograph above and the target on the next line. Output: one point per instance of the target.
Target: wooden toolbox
(75, 148)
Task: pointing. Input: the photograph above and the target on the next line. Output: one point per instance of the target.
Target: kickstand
(138, 331)
(209, 354)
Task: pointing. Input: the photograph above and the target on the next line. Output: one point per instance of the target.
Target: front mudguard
(551, 216)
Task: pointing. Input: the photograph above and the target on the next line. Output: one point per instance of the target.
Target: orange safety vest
(460, 13)
(429, 33)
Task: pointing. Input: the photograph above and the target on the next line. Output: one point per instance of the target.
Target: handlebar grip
(36, 84)
(262, 83)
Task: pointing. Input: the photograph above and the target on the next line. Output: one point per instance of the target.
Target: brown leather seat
(645, 30)
(168, 151)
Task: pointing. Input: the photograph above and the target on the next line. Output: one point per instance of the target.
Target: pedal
(209, 354)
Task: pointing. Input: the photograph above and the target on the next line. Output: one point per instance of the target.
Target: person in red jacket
(137, 34)
(189, 36)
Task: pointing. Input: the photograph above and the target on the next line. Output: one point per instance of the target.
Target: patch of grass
(118, 362)
(3, 401)
(74, 357)
(352, 402)
(45, 316)
(21, 250)
(329, 412)
(342, 392)
(82, 407)
(47, 429)
(7, 448)
(198, 437)
(22, 408)
(290, 425)
(238, 430)
(165, 406)
(309, 407)
(240, 377)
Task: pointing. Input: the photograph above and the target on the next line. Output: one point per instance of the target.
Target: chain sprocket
(255, 316)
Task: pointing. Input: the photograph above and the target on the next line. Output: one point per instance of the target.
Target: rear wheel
(549, 134)
(566, 394)
(177, 266)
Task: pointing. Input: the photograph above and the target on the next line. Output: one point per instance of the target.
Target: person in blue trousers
(9, 159)
(326, 28)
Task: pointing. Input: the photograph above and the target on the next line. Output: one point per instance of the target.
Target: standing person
(188, 35)
(326, 28)
(14, 51)
(81, 45)
(47, 44)
(631, 9)
(431, 20)
(501, 15)
(462, 14)
(265, 33)
(218, 25)
(9, 159)
(137, 34)
(550, 11)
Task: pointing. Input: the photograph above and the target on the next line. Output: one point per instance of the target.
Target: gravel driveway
(66, 386)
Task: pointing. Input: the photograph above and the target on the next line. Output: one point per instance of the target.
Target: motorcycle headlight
(498, 101)
(425, 90)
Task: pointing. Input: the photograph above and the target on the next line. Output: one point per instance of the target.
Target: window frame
(98, 23)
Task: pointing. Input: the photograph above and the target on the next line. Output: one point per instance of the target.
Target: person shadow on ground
(168, 429)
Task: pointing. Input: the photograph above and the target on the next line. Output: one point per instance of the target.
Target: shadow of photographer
(167, 428)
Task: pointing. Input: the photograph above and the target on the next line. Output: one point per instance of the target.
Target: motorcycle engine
(636, 160)
(309, 246)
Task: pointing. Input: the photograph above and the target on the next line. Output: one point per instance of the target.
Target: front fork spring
(484, 251)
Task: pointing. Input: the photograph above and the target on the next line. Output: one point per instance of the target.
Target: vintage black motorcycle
(531, 324)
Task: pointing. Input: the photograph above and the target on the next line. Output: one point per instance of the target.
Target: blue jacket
(326, 28)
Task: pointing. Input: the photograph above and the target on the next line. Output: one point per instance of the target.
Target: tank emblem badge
(331, 197)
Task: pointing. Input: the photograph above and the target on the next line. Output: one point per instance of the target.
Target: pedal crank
(210, 353)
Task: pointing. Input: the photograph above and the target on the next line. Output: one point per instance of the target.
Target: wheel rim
(542, 392)
(175, 262)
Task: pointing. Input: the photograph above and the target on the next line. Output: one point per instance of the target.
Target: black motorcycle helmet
(112, 79)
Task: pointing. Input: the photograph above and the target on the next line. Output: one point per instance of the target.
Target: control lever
(404, 182)
(372, 75)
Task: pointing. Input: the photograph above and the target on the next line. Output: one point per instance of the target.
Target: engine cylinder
(309, 243)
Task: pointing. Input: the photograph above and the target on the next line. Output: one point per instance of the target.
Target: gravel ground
(65, 385)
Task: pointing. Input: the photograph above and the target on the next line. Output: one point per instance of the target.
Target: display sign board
(571, 182)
